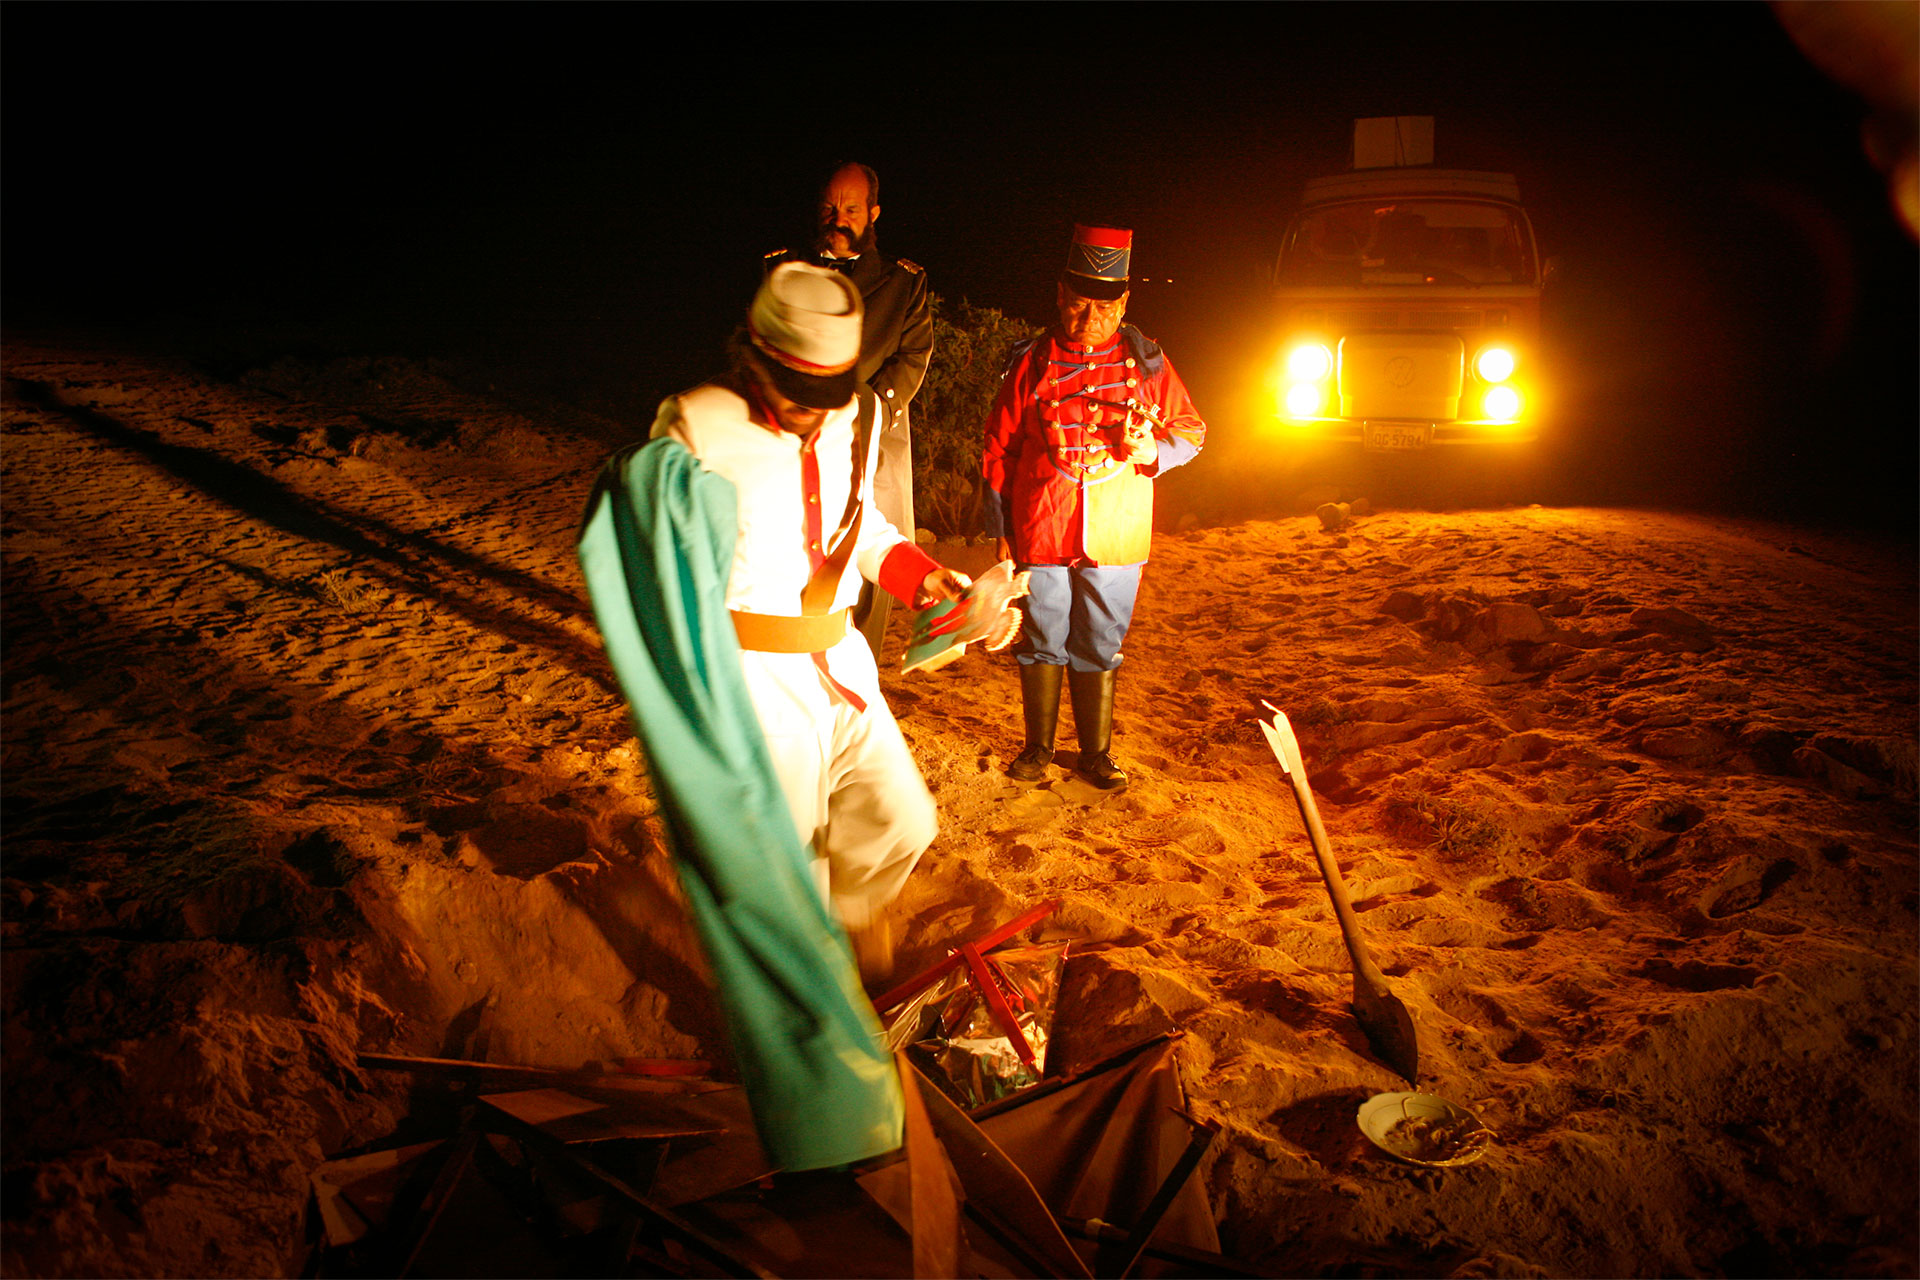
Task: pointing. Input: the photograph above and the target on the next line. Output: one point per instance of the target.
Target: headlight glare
(1304, 399)
(1309, 362)
(1495, 364)
(1502, 404)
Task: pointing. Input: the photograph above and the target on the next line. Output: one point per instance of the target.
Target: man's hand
(1141, 448)
(1003, 550)
(941, 584)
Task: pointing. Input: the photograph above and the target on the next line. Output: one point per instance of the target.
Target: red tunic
(1054, 438)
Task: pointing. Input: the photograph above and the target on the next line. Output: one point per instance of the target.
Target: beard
(826, 243)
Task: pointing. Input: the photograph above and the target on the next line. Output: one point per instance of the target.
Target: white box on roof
(1384, 141)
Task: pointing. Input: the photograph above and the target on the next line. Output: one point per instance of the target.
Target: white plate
(1423, 1129)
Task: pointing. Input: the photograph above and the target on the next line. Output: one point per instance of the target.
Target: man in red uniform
(1085, 419)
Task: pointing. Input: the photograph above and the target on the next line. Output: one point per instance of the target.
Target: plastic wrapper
(951, 1031)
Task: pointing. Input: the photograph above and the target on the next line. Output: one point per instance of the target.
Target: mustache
(861, 242)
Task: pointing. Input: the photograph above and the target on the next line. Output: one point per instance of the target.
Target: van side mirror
(1550, 270)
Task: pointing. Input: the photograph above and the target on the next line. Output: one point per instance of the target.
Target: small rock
(1770, 748)
(1404, 605)
(1668, 619)
(1334, 516)
(1506, 621)
(1450, 619)
(1837, 777)
(1683, 742)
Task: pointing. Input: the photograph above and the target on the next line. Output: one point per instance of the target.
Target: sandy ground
(310, 748)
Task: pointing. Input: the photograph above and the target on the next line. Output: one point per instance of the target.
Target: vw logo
(1400, 371)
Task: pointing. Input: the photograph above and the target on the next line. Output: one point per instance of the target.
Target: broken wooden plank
(571, 1118)
(999, 1196)
(656, 1214)
(933, 1205)
(699, 1168)
(505, 1075)
(1201, 1261)
(354, 1193)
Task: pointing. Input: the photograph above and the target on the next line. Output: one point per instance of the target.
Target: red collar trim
(757, 411)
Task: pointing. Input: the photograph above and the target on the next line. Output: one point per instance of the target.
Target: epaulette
(904, 265)
(1019, 349)
(1145, 349)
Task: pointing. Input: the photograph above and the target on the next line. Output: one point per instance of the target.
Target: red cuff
(904, 569)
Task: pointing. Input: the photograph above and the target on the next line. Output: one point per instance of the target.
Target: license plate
(1396, 435)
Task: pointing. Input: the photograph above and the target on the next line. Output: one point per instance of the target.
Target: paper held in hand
(985, 614)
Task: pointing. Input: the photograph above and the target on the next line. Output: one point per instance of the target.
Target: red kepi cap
(1098, 261)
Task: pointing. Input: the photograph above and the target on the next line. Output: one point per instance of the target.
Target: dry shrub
(971, 346)
(339, 588)
(1458, 828)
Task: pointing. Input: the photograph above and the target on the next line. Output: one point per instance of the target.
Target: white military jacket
(792, 492)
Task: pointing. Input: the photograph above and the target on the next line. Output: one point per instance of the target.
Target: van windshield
(1431, 241)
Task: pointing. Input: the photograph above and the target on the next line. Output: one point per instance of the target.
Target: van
(1409, 300)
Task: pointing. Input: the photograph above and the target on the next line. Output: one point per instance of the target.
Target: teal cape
(657, 549)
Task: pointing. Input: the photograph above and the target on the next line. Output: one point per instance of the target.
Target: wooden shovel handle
(1363, 964)
(1278, 731)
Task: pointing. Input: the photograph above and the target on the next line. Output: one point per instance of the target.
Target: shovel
(1388, 1025)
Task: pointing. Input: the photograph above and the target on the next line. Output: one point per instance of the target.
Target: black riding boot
(1040, 708)
(1092, 693)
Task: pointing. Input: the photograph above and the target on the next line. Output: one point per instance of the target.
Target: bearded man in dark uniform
(896, 342)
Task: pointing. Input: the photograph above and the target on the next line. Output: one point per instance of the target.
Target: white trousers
(856, 795)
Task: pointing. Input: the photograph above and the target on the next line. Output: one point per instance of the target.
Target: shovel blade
(1388, 1027)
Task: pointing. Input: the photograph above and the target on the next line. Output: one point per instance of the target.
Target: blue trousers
(1078, 617)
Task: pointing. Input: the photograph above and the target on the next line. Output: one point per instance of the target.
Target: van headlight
(1309, 362)
(1494, 364)
(1501, 404)
(1304, 399)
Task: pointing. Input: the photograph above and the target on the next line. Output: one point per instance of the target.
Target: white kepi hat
(806, 321)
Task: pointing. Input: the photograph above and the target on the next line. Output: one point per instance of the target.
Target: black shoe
(1030, 765)
(1099, 769)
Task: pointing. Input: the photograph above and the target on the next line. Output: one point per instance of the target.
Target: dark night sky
(570, 185)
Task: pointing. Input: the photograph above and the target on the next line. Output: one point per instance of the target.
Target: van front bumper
(1397, 435)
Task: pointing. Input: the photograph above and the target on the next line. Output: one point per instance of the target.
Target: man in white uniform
(787, 428)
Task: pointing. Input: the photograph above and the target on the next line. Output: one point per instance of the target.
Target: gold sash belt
(775, 633)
